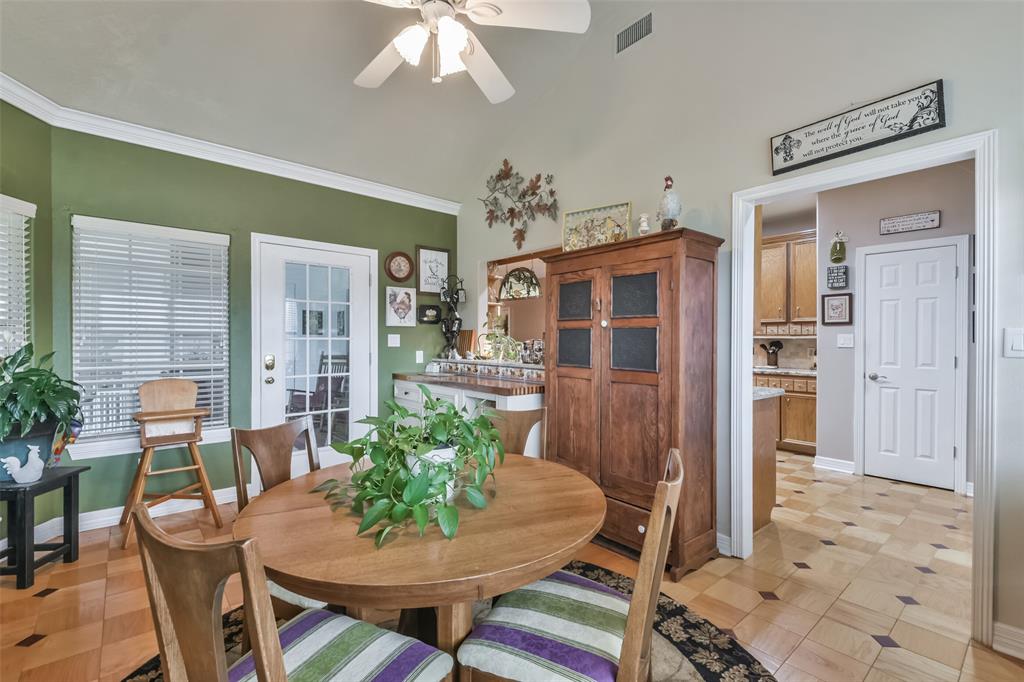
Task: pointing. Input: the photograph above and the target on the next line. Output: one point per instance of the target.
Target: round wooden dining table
(538, 516)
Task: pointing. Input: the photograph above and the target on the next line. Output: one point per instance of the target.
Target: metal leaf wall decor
(513, 200)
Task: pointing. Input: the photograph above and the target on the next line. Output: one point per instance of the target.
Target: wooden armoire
(630, 373)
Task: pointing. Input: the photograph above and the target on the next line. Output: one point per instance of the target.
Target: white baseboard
(969, 489)
(841, 465)
(724, 545)
(1009, 640)
(105, 518)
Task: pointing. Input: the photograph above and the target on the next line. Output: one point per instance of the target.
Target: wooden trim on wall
(811, 233)
(520, 257)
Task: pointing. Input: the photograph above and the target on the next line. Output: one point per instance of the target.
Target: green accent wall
(95, 176)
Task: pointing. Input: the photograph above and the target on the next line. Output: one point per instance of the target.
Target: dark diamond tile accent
(882, 494)
(827, 542)
(818, 480)
(908, 600)
(43, 593)
(867, 507)
(950, 526)
(939, 545)
(924, 569)
(777, 504)
(769, 596)
(781, 461)
(800, 564)
(886, 641)
(799, 492)
(849, 523)
(30, 640)
(960, 510)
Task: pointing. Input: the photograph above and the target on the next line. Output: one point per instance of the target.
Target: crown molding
(31, 102)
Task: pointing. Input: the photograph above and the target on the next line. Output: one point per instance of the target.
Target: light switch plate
(844, 340)
(1013, 342)
(419, 356)
(394, 340)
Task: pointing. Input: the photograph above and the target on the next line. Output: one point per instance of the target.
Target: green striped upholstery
(320, 645)
(562, 628)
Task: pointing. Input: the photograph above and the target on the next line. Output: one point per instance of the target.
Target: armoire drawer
(625, 523)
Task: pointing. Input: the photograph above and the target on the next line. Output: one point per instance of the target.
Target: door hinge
(954, 452)
(956, 272)
(956, 361)
(671, 285)
(371, 359)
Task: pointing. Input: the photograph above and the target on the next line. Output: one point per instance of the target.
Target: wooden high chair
(169, 416)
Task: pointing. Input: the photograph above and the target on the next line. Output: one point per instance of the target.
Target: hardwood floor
(856, 579)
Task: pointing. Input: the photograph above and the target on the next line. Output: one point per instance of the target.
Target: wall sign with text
(926, 220)
(909, 113)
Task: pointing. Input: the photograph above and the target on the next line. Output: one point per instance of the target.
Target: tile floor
(857, 579)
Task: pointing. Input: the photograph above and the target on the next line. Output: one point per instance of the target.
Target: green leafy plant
(407, 480)
(30, 395)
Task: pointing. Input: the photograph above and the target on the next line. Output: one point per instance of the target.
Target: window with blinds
(149, 303)
(14, 273)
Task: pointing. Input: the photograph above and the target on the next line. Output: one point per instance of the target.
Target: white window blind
(149, 303)
(14, 273)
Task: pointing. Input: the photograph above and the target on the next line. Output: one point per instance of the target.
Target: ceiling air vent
(641, 28)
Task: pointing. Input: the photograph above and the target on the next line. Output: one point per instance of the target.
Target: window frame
(27, 211)
(127, 443)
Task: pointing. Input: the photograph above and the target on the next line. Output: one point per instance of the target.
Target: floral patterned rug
(685, 647)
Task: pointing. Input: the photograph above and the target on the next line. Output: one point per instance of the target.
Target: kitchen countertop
(469, 382)
(763, 393)
(760, 369)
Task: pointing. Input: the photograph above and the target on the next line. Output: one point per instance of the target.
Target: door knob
(604, 323)
(641, 529)
(875, 376)
(268, 380)
(269, 361)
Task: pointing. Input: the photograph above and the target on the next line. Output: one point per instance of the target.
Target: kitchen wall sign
(926, 220)
(893, 118)
(838, 277)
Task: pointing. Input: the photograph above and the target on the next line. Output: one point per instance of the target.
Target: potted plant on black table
(410, 468)
(38, 408)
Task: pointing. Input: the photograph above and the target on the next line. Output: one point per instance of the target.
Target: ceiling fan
(454, 48)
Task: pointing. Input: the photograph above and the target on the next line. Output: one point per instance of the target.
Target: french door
(316, 330)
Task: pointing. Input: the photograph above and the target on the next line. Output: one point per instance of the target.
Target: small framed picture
(401, 307)
(837, 309)
(432, 266)
(429, 314)
(313, 322)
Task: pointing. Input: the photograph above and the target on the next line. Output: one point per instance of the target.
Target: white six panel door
(909, 352)
(314, 332)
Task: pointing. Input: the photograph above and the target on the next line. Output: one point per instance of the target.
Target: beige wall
(856, 211)
(700, 98)
(526, 317)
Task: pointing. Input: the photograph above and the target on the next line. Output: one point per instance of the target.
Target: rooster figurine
(670, 208)
(31, 470)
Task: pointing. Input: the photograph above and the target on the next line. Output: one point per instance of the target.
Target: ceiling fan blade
(569, 16)
(397, 4)
(485, 72)
(382, 66)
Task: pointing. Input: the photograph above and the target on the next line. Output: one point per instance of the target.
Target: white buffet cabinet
(407, 394)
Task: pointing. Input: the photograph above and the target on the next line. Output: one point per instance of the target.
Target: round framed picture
(398, 266)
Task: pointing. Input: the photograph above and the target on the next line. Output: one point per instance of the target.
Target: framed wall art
(398, 265)
(837, 309)
(595, 226)
(400, 310)
(429, 314)
(432, 267)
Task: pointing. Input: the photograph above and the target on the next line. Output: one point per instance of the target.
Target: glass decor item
(519, 283)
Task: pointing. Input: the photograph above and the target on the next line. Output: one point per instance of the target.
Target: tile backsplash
(795, 353)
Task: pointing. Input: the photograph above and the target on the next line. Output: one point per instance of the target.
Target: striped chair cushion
(320, 645)
(564, 627)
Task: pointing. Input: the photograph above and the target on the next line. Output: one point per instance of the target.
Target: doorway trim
(982, 148)
(962, 243)
(257, 240)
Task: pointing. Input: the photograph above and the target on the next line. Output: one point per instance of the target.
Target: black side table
(21, 507)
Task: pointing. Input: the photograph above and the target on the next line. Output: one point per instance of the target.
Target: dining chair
(568, 628)
(271, 450)
(168, 416)
(185, 581)
(514, 428)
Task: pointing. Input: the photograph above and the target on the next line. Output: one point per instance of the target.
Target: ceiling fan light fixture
(452, 40)
(410, 43)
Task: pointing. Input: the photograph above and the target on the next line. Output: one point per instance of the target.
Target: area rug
(685, 647)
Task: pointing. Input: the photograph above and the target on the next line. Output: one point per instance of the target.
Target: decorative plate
(398, 266)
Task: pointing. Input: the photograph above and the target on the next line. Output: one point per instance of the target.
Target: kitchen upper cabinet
(803, 280)
(773, 284)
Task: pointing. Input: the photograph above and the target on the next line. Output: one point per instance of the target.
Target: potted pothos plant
(410, 468)
(37, 407)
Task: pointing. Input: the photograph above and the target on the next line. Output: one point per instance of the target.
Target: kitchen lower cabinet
(798, 411)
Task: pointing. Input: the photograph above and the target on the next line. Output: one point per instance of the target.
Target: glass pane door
(317, 372)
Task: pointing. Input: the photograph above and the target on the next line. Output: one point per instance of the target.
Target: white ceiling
(276, 78)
